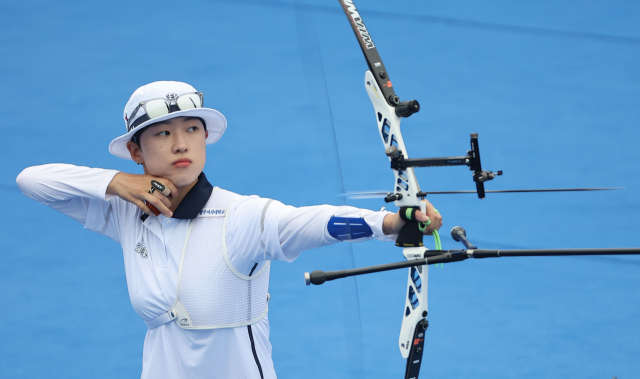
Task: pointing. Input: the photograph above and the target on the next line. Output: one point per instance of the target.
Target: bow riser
(406, 185)
(389, 129)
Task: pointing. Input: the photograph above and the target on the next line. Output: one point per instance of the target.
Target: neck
(182, 192)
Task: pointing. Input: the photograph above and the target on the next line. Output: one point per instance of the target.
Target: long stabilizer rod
(448, 256)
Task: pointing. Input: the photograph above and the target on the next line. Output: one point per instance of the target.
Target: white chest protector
(211, 293)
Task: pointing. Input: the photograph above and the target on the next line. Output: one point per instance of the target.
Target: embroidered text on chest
(141, 250)
(212, 212)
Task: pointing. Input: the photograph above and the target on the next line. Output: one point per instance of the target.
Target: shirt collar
(195, 200)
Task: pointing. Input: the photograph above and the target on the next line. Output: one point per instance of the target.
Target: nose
(179, 143)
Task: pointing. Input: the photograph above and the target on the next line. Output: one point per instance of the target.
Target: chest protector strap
(161, 320)
(211, 293)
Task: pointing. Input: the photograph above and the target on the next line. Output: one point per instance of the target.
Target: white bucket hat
(215, 121)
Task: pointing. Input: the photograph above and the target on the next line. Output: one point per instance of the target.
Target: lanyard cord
(436, 238)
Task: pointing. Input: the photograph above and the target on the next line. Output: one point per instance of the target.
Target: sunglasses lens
(156, 108)
(189, 101)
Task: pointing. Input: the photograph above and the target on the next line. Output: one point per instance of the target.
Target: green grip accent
(408, 213)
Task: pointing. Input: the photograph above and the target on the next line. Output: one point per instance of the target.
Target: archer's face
(175, 149)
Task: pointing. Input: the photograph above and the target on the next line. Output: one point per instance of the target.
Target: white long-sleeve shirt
(170, 351)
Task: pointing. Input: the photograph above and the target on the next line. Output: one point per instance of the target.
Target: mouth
(183, 162)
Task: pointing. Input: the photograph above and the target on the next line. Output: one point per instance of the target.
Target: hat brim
(216, 125)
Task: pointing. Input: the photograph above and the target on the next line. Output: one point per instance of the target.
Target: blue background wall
(552, 87)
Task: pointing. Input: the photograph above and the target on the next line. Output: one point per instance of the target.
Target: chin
(184, 179)
(179, 177)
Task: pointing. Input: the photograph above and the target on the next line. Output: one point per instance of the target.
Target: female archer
(196, 256)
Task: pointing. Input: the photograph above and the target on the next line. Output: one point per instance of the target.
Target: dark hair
(136, 137)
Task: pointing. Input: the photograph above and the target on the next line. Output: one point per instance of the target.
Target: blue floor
(552, 88)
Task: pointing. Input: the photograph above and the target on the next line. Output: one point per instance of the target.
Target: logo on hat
(172, 96)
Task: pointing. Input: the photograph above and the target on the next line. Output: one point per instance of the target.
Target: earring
(139, 163)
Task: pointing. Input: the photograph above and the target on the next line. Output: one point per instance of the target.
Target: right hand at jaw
(134, 188)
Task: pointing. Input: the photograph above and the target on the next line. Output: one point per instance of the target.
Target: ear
(206, 134)
(134, 150)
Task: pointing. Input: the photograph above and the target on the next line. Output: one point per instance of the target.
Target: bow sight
(472, 159)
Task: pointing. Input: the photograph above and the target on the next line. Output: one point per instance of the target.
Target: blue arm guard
(348, 228)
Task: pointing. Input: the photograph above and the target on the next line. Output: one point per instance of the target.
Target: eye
(192, 129)
(163, 133)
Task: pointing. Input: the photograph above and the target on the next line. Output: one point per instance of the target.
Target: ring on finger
(156, 185)
(151, 190)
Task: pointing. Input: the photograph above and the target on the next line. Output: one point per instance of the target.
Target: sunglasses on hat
(159, 107)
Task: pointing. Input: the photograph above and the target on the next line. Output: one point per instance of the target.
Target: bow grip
(412, 232)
